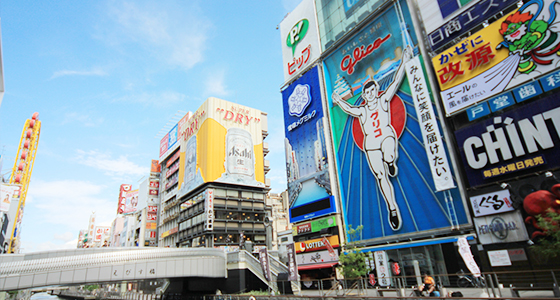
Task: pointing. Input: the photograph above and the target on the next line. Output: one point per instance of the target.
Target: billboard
(155, 167)
(170, 141)
(518, 141)
(222, 142)
(131, 202)
(386, 179)
(101, 233)
(445, 21)
(9, 194)
(512, 50)
(503, 228)
(300, 39)
(307, 163)
(123, 190)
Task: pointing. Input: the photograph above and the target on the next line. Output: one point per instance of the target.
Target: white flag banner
(466, 254)
(439, 165)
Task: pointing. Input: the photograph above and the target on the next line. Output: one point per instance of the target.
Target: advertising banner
(9, 194)
(222, 142)
(491, 203)
(502, 228)
(382, 268)
(155, 167)
(124, 189)
(265, 263)
(314, 226)
(300, 39)
(518, 141)
(382, 162)
(315, 258)
(209, 206)
(317, 244)
(101, 233)
(131, 202)
(292, 264)
(307, 164)
(446, 20)
(465, 251)
(510, 51)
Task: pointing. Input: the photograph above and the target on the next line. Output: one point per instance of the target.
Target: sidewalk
(467, 293)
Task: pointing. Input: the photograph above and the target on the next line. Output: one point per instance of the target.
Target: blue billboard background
(421, 207)
(306, 155)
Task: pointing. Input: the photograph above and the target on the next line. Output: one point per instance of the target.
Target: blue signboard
(307, 165)
(468, 19)
(502, 101)
(551, 81)
(527, 91)
(384, 173)
(478, 111)
(512, 143)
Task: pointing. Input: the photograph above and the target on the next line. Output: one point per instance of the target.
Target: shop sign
(502, 228)
(173, 159)
(151, 217)
(314, 226)
(300, 39)
(209, 209)
(319, 257)
(492, 203)
(382, 268)
(172, 170)
(465, 251)
(514, 142)
(317, 244)
(509, 52)
(517, 254)
(292, 265)
(154, 184)
(527, 91)
(154, 192)
(152, 209)
(500, 102)
(443, 33)
(551, 81)
(499, 258)
(265, 263)
(478, 111)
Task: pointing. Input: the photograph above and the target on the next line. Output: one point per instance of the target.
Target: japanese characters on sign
(382, 268)
(292, 265)
(491, 203)
(441, 172)
(441, 33)
(209, 209)
(509, 52)
(265, 263)
(518, 140)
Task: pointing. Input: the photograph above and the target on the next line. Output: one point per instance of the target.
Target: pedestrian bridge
(103, 265)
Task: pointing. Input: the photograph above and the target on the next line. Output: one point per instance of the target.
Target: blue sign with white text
(502, 101)
(551, 81)
(478, 111)
(527, 91)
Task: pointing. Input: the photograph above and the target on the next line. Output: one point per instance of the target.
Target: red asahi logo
(349, 61)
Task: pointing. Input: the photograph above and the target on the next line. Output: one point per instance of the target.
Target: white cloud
(57, 210)
(172, 32)
(215, 84)
(114, 167)
(92, 72)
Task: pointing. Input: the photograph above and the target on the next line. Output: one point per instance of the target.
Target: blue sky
(106, 76)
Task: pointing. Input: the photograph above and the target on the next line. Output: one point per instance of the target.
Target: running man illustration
(380, 140)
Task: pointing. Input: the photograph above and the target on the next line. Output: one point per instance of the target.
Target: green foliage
(548, 246)
(352, 261)
(91, 287)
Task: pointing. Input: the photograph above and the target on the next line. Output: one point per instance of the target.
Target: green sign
(296, 34)
(323, 223)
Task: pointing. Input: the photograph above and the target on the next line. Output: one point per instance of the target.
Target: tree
(549, 245)
(352, 261)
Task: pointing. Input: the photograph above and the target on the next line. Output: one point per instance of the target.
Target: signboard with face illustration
(512, 50)
(390, 155)
(307, 164)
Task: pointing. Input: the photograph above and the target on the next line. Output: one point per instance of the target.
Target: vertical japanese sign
(466, 254)
(378, 135)
(123, 191)
(265, 263)
(382, 268)
(507, 53)
(439, 166)
(300, 39)
(209, 209)
(292, 265)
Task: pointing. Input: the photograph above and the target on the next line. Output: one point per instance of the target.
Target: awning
(416, 243)
(317, 266)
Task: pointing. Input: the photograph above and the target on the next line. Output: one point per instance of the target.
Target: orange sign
(317, 244)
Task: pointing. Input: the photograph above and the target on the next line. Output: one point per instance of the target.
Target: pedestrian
(429, 284)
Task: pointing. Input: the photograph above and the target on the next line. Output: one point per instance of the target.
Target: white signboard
(433, 141)
(499, 258)
(466, 254)
(503, 228)
(491, 203)
(300, 39)
(209, 209)
(382, 268)
(8, 194)
(319, 257)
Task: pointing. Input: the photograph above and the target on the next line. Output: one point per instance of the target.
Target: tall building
(214, 193)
